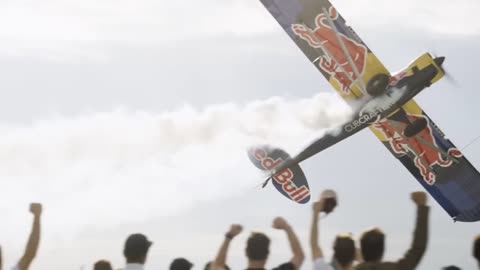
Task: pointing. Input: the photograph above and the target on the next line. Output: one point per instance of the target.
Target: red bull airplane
(381, 101)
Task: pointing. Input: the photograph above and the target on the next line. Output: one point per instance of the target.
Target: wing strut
(345, 51)
(429, 144)
(332, 57)
(399, 130)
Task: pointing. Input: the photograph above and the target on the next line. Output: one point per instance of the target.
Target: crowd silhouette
(367, 254)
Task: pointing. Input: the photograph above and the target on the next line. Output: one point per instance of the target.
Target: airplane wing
(329, 43)
(349, 66)
(433, 160)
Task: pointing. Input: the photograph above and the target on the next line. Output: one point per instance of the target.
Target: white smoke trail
(94, 168)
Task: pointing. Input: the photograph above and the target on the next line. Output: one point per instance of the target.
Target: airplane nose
(439, 60)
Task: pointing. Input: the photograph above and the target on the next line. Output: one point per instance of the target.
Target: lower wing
(433, 160)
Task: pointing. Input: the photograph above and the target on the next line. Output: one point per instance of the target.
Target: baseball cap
(136, 246)
(330, 197)
(180, 264)
(328, 193)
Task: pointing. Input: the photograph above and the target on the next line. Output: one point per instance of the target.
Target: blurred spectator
(451, 267)
(181, 264)
(220, 262)
(102, 265)
(135, 251)
(476, 250)
(373, 242)
(33, 240)
(258, 248)
(343, 247)
(209, 264)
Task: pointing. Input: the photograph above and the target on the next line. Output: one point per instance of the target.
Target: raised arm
(33, 240)
(314, 246)
(420, 236)
(221, 258)
(298, 256)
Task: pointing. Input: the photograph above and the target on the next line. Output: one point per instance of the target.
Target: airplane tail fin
(290, 181)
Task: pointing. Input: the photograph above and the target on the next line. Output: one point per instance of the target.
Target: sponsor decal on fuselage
(368, 117)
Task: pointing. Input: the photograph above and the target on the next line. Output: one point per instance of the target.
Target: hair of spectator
(452, 267)
(258, 245)
(102, 265)
(476, 248)
(136, 248)
(372, 244)
(207, 266)
(344, 249)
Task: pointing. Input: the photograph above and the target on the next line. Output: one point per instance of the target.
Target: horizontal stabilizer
(291, 182)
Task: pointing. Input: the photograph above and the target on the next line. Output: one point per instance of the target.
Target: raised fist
(235, 229)
(36, 208)
(318, 205)
(329, 198)
(280, 223)
(419, 198)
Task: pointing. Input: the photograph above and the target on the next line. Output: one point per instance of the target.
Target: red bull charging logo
(334, 61)
(425, 156)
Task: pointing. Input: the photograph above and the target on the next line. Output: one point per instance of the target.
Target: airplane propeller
(448, 76)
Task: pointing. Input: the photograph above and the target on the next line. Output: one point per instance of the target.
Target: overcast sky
(133, 116)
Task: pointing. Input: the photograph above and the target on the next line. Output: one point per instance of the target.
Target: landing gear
(377, 84)
(415, 127)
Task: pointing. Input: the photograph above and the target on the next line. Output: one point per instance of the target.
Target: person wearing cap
(180, 264)
(344, 251)
(220, 261)
(372, 242)
(258, 248)
(135, 251)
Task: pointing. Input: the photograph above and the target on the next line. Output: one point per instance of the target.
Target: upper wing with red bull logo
(332, 46)
(433, 160)
(350, 67)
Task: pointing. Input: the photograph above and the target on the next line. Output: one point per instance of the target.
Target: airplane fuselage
(407, 84)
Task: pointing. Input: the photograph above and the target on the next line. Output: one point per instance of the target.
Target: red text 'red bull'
(283, 178)
(334, 61)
